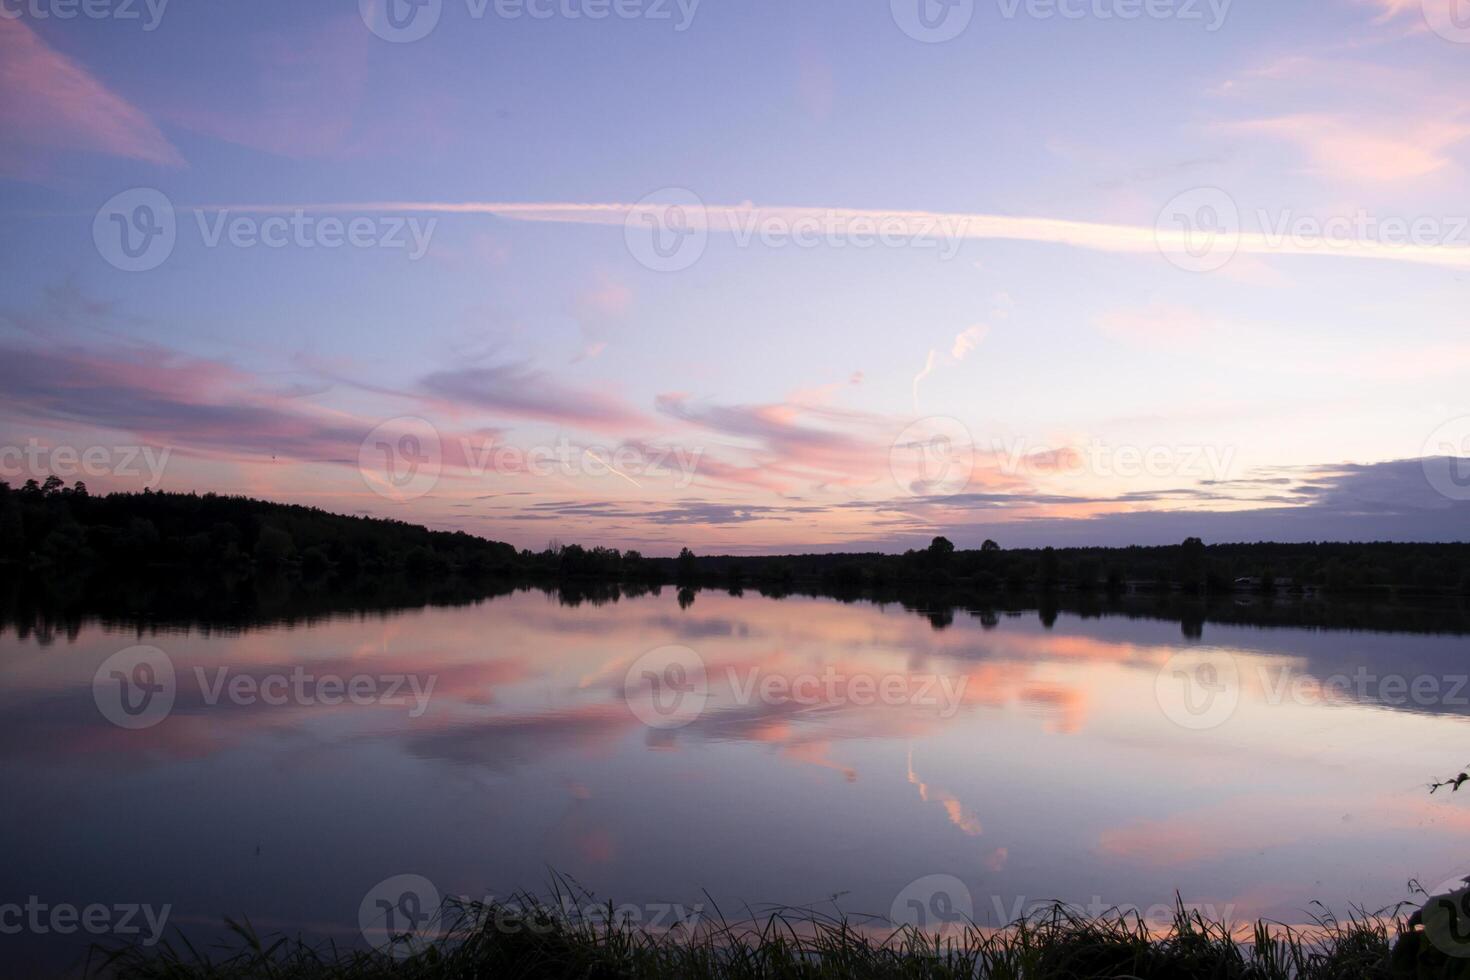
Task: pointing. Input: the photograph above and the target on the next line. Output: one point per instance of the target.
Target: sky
(748, 277)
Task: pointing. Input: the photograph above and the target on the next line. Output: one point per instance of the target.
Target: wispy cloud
(1363, 149)
(935, 225)
(1352, 119)
(520, 390)
(52, 103)
(967, 340)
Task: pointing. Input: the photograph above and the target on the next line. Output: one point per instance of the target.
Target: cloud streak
(53, 103)
(935, 226)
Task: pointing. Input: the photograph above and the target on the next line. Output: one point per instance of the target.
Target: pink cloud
(1388, 149)
(958, 814)
(195, 405)
(796, 441)
(522, 391)
(53, 103)
(1391, 9)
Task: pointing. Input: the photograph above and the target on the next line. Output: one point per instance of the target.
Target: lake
(337, 776)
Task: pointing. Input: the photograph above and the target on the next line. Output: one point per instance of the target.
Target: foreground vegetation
(510, 943)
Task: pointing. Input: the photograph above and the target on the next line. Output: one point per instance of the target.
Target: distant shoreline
(54, 530)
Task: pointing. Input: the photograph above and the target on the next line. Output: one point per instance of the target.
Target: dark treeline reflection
(47, 607)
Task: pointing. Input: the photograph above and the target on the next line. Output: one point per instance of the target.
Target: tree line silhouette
(56, 529)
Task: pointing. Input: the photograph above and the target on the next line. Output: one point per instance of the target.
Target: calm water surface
(842, 750)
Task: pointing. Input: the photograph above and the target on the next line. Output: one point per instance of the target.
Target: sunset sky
(748, 276)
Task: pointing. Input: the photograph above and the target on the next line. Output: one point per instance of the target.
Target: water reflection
(48, 606)
(838, 747)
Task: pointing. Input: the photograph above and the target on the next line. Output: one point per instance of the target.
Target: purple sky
(749, 277)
